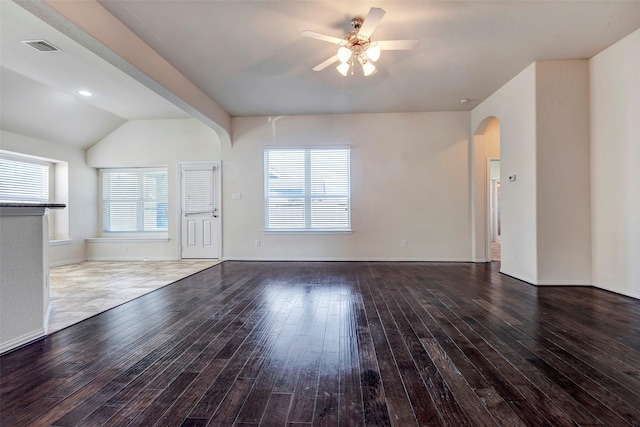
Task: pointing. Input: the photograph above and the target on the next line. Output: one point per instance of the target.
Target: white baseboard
(314, 259)
(131, 258)
(522, 278)
(480, 261)
(617, 291)
(66, 262)
(22, 340)
(563, 283)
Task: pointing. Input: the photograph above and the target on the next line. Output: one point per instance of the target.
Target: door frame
(488, 205)
(218, 201)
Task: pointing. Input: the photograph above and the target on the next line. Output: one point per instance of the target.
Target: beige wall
(409, 181)
(562, 150)
(615, 166)
(145, 143)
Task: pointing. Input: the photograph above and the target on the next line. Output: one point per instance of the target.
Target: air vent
(41, 45)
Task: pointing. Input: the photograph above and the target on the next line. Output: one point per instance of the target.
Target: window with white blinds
(307, 189)
(198, 191)
(24, 180)
(135, 200)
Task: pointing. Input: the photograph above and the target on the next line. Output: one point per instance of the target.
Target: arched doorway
(486, 195)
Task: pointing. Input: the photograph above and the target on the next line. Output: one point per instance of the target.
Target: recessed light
(85, 93)
(464, 101)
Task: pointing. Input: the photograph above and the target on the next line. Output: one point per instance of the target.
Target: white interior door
(200, 217)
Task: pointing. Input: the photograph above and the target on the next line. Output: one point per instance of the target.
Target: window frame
(140, 201)
(58, 192)
(308, 195)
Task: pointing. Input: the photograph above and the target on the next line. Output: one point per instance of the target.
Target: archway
(486, 191)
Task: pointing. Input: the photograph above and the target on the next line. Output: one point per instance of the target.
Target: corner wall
(514, 105)
(562, 152)
(409, 181)
(614, 84)
(82, 192)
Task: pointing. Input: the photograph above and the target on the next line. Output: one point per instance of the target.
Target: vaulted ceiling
(249, 56)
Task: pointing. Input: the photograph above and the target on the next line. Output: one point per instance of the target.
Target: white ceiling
(39, 90)
(250, 58)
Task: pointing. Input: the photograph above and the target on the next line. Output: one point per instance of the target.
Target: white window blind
(24, 180)
(198, 189)
(135, 200)
(307, 189)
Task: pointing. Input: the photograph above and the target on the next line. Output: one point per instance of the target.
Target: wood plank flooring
(338, 344)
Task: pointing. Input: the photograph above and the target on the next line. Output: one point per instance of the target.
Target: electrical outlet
(257, 243)
(405, 243)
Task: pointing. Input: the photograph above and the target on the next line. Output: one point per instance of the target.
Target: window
(134, 200)
(307, 189)
(24, 179)
(30, 179)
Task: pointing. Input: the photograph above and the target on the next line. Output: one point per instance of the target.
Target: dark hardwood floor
(338, 344)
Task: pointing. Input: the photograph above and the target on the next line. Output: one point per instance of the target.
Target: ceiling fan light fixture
(368, 68)
(343, 68)
(344, 53)
(373, 52)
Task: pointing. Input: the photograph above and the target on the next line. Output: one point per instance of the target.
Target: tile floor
(82, 290)
(495, 251)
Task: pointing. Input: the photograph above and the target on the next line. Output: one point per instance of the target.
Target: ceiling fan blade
(371, 21)
(398, 44)
(323, 37)
(326, 63)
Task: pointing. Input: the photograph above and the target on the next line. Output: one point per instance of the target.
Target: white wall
(24, 297)
(563, 199)
(409, 181)
(514, 105)
(144, 143)
(82, 192)
(615, 166)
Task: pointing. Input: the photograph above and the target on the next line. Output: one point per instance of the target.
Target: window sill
(307, 231)
(60, 242)
(127, 239)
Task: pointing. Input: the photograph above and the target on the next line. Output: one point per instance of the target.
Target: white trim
(132, 258)
(563, 283)
(321, 259)
(480, 261)
(306, 147)
(60, 242)
(127, 239)
(22, 340)
(521, 278)
(617, 291)
(47, 316)
(67, 262)
(487, 206)
(306, 231)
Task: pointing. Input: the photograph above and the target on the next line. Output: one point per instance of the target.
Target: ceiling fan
(357, 45)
